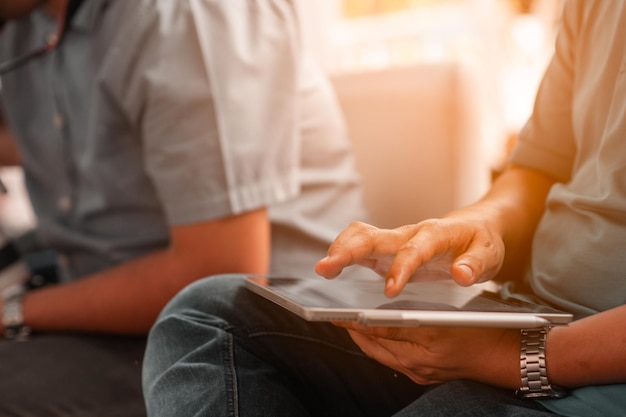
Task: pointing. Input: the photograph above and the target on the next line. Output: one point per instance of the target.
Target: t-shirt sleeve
(214, 95)
(546, 143)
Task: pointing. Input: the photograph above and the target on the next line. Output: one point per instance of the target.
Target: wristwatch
(12, 317)
(535, 382)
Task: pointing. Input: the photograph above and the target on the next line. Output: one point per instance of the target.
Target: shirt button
(64, 203)
(58, 121)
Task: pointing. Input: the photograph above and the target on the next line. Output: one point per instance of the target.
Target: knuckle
(356, 224)
(431, 225)
(410, 245)
(363, 230)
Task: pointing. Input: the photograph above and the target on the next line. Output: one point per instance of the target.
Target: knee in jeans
(207, 295)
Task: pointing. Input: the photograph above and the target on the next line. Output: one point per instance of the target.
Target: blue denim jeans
(219, 350)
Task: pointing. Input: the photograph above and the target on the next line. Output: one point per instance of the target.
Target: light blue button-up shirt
(154, 113)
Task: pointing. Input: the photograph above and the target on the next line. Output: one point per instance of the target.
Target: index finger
(352, 244)
(355, 245)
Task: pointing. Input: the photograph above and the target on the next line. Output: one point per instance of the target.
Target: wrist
(534, 380)
(13, 324)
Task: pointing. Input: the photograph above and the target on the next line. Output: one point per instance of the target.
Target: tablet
(434, 303)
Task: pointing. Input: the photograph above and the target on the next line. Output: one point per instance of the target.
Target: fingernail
(468, 271)
(390, 282)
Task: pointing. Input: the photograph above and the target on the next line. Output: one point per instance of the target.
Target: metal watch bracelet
(534, 376)
(12, 316)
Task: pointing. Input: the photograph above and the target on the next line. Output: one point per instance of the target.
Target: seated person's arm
(127, 298)
(587, 352)
(590, 351)
(467, 245)
(518, 198)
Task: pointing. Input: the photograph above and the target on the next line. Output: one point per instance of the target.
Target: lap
(215, 328)
(72, 375)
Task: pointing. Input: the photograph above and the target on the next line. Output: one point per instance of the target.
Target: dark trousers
(72, 375)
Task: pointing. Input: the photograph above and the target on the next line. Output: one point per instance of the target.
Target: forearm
(124, 299)
(127, 298)
(591, 351)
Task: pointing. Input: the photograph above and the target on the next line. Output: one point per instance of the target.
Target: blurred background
(506, 42)
(434, 92)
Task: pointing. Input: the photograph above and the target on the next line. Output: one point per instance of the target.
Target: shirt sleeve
(214, 95)
(546, 143)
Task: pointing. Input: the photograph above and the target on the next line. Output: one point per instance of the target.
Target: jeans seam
(232, 380)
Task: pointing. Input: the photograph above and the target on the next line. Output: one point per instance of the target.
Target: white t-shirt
(577, 133)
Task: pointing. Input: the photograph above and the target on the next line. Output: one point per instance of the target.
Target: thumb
(463, 274)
